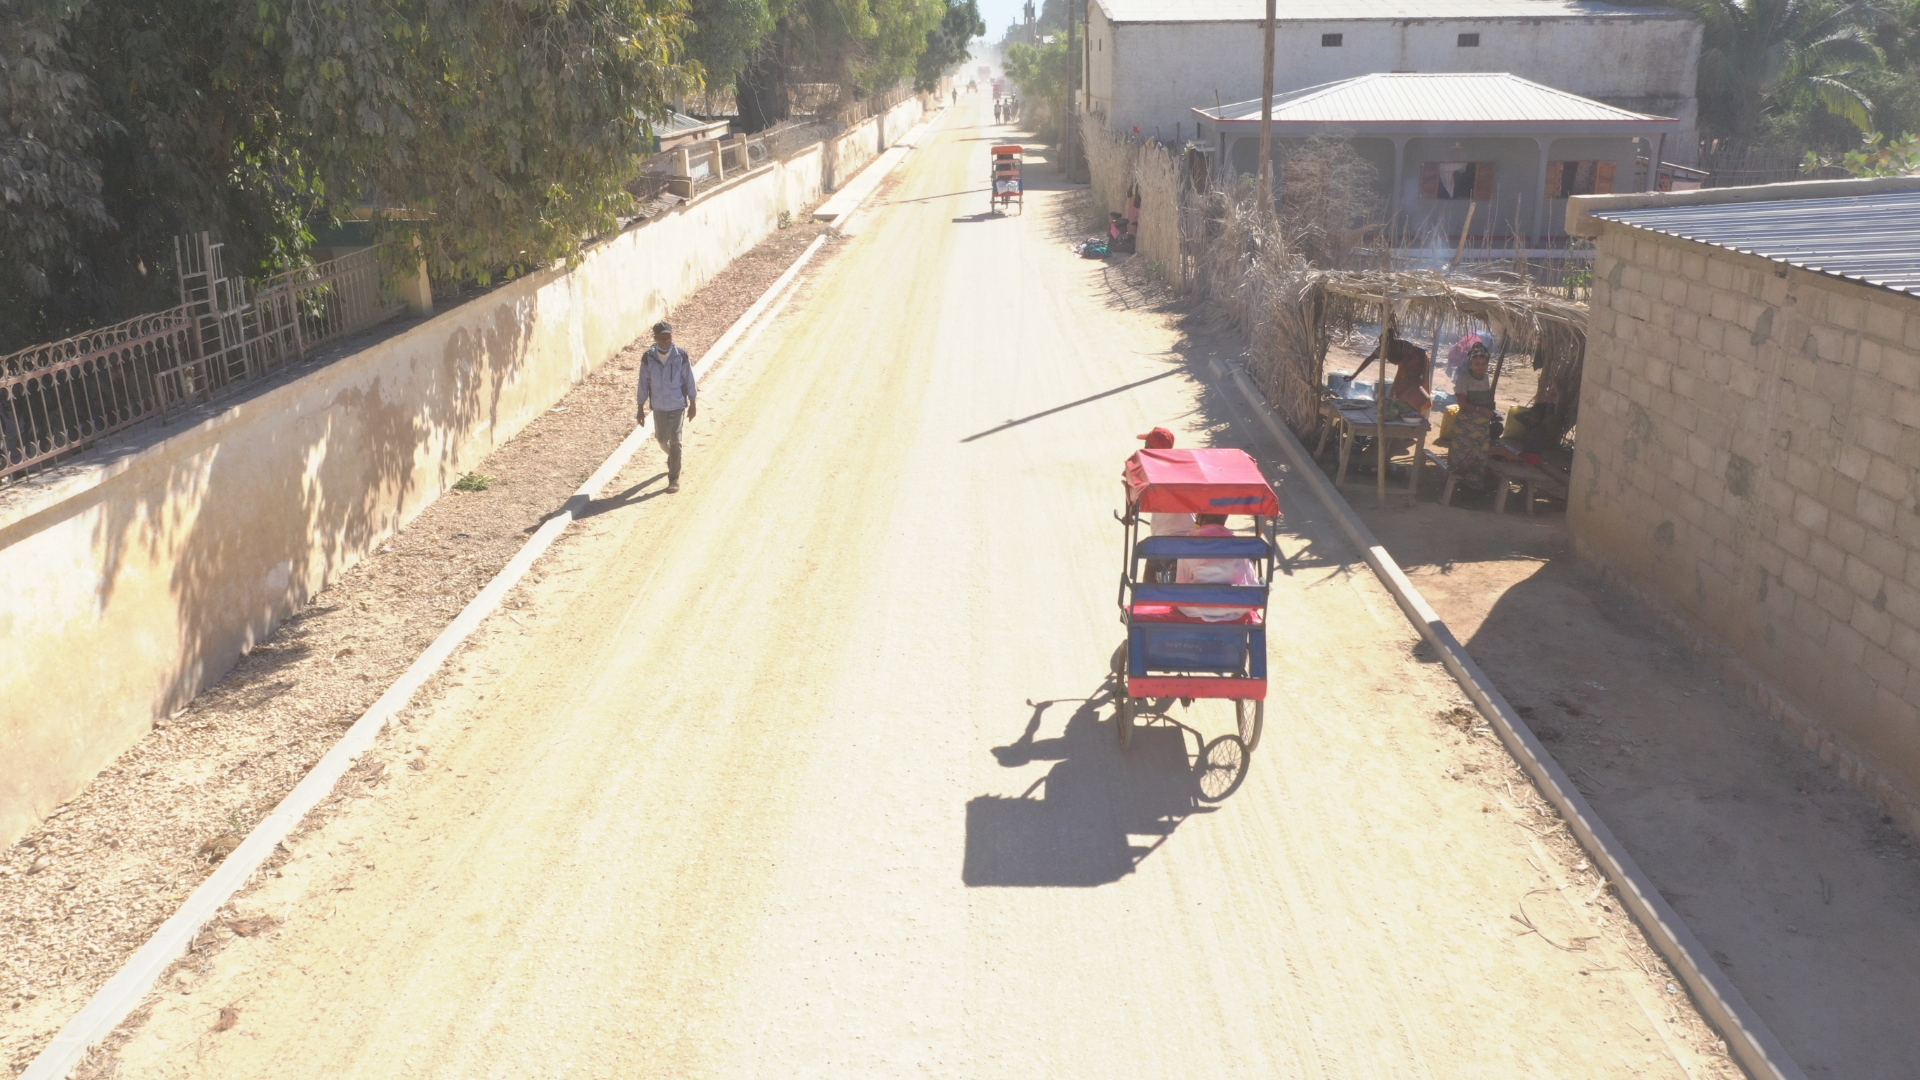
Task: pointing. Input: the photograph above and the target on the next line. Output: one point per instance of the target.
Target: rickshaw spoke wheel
(1252, 715)
(1221, 768)
(1123, 715)
(1118, 665)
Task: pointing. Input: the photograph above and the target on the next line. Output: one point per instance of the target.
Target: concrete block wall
(1748, 444)
(132, 579)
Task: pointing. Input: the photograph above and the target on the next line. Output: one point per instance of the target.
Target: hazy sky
(998, 13)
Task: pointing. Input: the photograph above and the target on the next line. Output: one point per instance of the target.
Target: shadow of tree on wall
(276, 496)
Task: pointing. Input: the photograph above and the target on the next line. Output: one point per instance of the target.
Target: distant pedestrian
(666, 383)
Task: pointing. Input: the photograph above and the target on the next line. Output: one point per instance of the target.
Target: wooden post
(1457, 251)
(1433, 357)
(1266, 120)
(1380, 405)
(1066, 112)
(415, 289)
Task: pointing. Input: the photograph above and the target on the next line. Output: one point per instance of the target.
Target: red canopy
(1199, 482)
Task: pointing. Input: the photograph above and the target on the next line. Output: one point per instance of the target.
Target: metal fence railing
(62, 397)
(785, 139)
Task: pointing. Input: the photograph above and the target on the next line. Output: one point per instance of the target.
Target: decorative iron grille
(60, 398)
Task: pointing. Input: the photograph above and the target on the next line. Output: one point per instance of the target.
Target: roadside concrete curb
(1748, 1038)
(123, 993)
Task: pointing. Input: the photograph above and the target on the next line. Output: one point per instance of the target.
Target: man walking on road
(666, 383)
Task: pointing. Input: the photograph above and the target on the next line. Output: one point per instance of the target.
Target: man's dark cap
(663, 327)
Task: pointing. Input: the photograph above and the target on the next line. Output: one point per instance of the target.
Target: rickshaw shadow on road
(1080, 825)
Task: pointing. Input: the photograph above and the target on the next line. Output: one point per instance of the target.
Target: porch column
(1656, 146)
(1393, 186)
(1540, 191)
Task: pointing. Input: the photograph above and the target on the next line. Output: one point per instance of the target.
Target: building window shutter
(1430, 180)
(1556, 175)
(1603, 178)
(1483, 179)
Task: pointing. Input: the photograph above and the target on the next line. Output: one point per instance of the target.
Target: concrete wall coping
(1581, 208)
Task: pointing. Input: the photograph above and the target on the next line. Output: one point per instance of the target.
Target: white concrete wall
(134, 578)
(1153, 74)
(851, 150)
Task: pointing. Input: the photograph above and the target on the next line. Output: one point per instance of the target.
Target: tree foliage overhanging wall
(495, 135)
(503, 132)
(863, 45)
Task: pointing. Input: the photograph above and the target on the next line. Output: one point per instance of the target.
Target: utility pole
(1069, 124)
(1266, 119)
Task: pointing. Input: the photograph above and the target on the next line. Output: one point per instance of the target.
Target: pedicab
(1206, 636)
(1006, 178)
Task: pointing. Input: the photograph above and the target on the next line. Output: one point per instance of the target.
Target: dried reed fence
(1116, 165)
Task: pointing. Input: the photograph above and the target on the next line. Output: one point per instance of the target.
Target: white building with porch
(1149, 61)
(1488, 158)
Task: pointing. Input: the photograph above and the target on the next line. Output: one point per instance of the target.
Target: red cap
(1157, 439)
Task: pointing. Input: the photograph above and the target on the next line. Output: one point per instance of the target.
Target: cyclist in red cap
(1164, 524)
(1157, 439)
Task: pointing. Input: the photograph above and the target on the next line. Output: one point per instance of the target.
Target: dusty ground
(1806, 895)
(79, 894)
(810, 770)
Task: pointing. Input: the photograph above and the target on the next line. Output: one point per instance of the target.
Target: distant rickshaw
(1006, 188)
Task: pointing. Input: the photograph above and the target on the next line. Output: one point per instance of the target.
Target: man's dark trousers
(666, 429)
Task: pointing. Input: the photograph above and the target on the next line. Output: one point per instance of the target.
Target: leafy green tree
(727, 34)
(166, 125)
(1763, 58)
(1040, 71)
(496, 135)
(862, 45)
(500, 134)
(1876, 156)
(947, 43)
(49, 184)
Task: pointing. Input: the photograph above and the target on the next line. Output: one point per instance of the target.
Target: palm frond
(1842, 101)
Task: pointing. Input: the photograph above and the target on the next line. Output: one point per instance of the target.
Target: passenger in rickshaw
(1215, 572)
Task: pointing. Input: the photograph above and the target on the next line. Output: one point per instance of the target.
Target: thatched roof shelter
(1527, 320)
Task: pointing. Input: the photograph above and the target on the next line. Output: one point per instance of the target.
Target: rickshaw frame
(1170, 655)
(997, 199)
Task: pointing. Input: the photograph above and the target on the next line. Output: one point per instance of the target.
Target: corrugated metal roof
(1435, 98)
(1126, 11)
(1868, 238)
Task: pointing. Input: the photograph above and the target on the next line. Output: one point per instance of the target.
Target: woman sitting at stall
(1473, 426)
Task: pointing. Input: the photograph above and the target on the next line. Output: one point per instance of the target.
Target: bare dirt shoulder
(1803, 890)
(92, 883)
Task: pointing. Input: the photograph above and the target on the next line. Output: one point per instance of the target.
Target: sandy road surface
(793, 773)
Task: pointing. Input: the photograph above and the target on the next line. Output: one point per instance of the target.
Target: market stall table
(1354, 419)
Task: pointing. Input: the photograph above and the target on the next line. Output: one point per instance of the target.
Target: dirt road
(795, 773)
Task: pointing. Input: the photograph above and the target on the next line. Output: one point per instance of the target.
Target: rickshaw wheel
(1251, 713)
(1221, 769)
(1123, 715)
(1118, 664)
